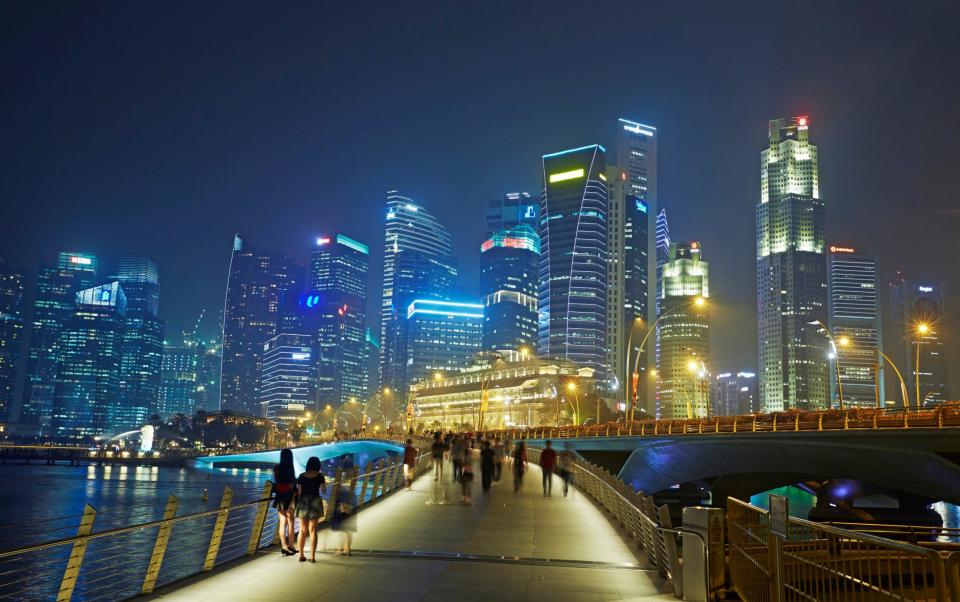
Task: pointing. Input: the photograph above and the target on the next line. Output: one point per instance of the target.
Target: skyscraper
(514, 209)
(288, 377)
(917, 324)
(791, 272)
(735, 394)
(508, 285)
(208, 375)
(427, 269)
(178, 380)
(572, 297)
(683, 389)
(11, 333)
(663, 251)
(438, 337)
(632, 184)
(53, 305)
(90, 350)
(854, 309)
(256, 286)
(143, 338)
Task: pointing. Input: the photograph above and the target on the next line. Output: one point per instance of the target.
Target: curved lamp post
(844, 341)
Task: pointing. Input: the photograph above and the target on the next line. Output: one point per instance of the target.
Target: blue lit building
(54, 304)
(439, 337)
(256, 286)
(288, 377)
(508, 285)
(573, 258)
(11, 333)
(178, 381)
(514, 209)
(90, 350)
(417, 262)
(143, 338)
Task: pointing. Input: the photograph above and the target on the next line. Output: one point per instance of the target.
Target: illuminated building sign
(352, 244)
(636, 128)
(602, 177)
(834, 249)
(925, 289)
(323, 240)
(573, 174)
(105, 295)
(641, 206)
(531, 212)
(310, 300)
(80, 260)
(445, 308)
(299, 356)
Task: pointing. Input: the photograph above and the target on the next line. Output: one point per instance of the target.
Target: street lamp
(922, 329)
(844, 341)
(695, 302)
(572, 387)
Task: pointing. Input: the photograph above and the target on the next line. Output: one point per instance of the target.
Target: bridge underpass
(505, 546)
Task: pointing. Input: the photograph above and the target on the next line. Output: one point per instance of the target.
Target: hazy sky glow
(161, 129)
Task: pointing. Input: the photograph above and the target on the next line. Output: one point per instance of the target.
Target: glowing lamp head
(831, 355)
(571, 386)
(437, 376)
(843, 341)
(923, 328)
(699, 301)
(692, 366)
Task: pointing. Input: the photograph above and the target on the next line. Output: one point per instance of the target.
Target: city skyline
(859, 205)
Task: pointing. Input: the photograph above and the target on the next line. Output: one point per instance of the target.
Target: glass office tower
(508, 285)
(12, 284)
(439, 337)
(573, 258)
(917, 324)
(54, 304)
(288, 377)
(791, 272)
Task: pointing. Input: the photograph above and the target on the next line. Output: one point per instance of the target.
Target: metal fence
(121, 562)
(821, 562)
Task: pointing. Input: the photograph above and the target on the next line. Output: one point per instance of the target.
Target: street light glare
(699, 301)
(843, 341)
(571, 386)
(923, 328)
(692, 366)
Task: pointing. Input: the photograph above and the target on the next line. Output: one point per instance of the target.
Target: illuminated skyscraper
(632, 185)
(438, 337)
(514, 209)
(573, 259)
(854, 311)
(208, 375)
(735, 394)
(143, 338)
(11, 333)
(256, 286)
(90, 350)
(417, 263)
(791, 272)
(288, 377)
(508, 284)
(917, 325)
(683, 387)
(53, 305)
(178, 381)
(663, 251)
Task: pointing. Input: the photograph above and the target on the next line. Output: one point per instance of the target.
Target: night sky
(162, 128)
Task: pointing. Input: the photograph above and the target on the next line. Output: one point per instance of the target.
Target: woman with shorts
(310, 505)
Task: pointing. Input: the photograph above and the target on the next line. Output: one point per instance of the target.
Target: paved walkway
(570, 531)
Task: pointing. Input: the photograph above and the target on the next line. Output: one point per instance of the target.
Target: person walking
(310, 505)
(519, 466)
(284, 491)
(565, 465)
(508, 450)
(548, 462)
(436, 450)
(498, 460)
(344, 520)
(488, 458)
(457, 454)
(466, 480)
(409, 463)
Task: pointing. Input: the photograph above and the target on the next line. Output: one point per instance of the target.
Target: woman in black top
(284, 484)
(310, 505)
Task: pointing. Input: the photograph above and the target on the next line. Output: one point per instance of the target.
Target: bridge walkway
(409, 548)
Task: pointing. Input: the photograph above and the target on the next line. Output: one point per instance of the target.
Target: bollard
(160, 547)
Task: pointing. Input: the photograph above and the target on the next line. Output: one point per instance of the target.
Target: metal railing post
(363, 489)
(258, 521)
(218, 526)
(76, 555)
(160, 546)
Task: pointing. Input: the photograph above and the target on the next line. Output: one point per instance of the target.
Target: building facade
(417, 262)
(508, 285)
(288, 378)
(791, 272)
(572, 299)
(178, 381)
(12, 283)
(54, 304)
(514, 209)
(439, 337)
(683, 389)
(854, 310)
(257, 285)
(90, 352)
(735, 394)
(917, 343)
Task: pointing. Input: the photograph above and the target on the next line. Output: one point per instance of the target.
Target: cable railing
(946, 416)
(820, 562)
(120, 562)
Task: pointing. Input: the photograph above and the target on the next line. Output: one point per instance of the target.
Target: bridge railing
(820, 562)
(940, 417)
(121, 562)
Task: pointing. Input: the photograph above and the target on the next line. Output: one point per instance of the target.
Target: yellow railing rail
(121, 562)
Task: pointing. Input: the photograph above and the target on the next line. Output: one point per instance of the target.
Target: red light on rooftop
(802, 121)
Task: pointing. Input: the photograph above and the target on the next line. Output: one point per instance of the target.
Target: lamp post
(695, 302)
(922, 329)
(844, 341)
(572, 387)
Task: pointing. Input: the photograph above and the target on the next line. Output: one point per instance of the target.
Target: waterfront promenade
(505, 546)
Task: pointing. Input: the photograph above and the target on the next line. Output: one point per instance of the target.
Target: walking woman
(519, 466)
(310, 505)
(284, 490)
